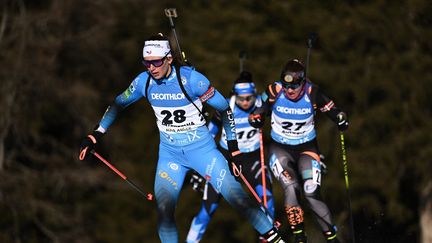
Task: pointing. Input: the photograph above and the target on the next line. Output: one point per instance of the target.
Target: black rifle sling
(177, 68)
(147, 86)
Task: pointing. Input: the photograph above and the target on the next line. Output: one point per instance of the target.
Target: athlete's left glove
(88, 143)
(322, 164)
(236, 158)
(342, 121)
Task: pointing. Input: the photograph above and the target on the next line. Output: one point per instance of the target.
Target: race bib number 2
(316, 172)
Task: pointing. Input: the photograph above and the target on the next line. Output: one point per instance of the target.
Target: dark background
(63, 62)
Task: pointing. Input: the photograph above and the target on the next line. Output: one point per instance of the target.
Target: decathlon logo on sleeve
(293, 111)
(160, 96)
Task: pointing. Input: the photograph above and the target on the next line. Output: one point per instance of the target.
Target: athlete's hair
(244, 77)
(293, 66)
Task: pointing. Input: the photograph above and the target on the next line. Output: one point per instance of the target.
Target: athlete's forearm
(327, 106)
(129, 96)
(109, 116)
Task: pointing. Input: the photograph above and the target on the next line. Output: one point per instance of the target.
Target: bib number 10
(249, 135)
(177, 116)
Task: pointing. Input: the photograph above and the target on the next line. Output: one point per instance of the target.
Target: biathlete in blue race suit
(243, 101)
(185, 141)
(294, 156)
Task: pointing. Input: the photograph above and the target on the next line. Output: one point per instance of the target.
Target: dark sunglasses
(294, 85)
(293, 80)
(156, 63)
(245, 98)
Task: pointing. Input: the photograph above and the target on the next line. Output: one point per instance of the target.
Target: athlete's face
(293, 94)
(159, 67)
(245, 101)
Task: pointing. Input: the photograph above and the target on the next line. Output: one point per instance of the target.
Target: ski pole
(148, 196)
(345, 167)
(242, 58)
(172, 13)
(263, 174)
(237, 172)
(310, 42)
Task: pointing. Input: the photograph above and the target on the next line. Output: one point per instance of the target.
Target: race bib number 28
(177, 116)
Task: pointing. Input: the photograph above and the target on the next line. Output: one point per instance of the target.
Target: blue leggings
(203, 157)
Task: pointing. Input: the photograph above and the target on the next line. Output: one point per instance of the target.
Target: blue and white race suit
(185, 143)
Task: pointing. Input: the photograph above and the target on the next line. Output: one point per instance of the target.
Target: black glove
(256, 120)
(196, 181)
(235, 157)
(323, 165)
(88, 144)
(342, 121)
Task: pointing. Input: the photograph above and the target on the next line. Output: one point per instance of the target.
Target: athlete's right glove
(256, 120)
(88, 144)
(236, 158)
(196, 181)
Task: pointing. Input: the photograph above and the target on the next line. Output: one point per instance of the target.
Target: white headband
(156, 48)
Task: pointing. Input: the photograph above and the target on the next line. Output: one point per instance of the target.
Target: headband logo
(242, 85)
(158, 48)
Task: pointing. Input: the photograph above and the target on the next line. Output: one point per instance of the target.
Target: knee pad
(295, 215)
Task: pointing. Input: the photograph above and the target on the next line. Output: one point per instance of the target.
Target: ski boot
(330, 235)
(299, 236)
(272, 236)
